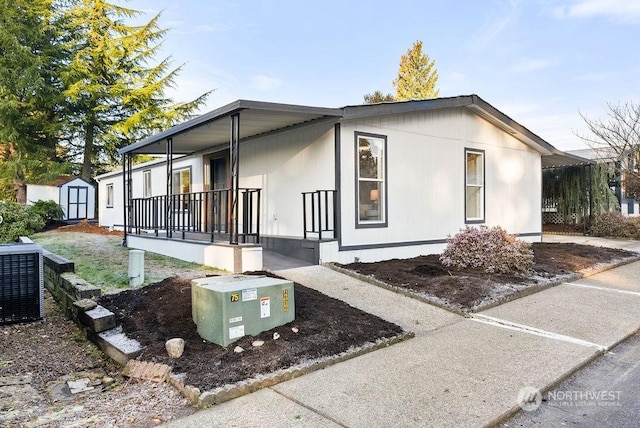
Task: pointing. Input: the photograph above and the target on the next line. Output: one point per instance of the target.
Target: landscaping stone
(98, 319)
(85, 304)
(79, 385)
(257, 343)
(238, 349)
(175, 347)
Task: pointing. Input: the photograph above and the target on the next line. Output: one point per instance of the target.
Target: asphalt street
(606, 393)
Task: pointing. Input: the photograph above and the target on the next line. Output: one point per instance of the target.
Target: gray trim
(408, 243)
(358, 223)
(484, 186)
(529, 234)
(337, 136)
(390, 245)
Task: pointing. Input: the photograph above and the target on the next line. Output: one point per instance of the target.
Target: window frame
(482, 186)
(110, 195)
(147, 190)
(383, 202)
(173, 181)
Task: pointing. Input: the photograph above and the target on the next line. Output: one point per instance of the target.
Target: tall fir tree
(114, 97)
(31, 57)
(417, 76)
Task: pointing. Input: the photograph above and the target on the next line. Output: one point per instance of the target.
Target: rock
(276, 336)
(294, 329)
(108, 381)
(257, 343)
(79, 385)
(175, 347)
(238, 349)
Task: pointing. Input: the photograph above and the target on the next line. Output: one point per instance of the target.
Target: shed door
(77, 205)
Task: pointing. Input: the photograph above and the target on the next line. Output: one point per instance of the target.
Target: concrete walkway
(457, 371)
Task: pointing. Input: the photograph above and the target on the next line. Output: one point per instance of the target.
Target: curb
(228, 392)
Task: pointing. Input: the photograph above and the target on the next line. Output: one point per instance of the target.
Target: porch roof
(559, 159)
(213, 128)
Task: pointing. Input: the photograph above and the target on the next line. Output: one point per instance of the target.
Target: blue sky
(539, 61)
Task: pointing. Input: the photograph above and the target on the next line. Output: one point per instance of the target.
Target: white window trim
(482, 187)
(110, 195)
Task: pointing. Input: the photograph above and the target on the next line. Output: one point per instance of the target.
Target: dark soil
(326, 326)
(162, 311)
(470, 289)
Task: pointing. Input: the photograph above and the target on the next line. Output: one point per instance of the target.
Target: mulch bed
(162, 311)
(468, 289)
(326, 326)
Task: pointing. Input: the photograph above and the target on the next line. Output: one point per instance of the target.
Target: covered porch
(219, 222)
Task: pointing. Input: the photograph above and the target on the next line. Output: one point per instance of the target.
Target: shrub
(48, 210)
(491, 250)
(18, 220)
(616, 225)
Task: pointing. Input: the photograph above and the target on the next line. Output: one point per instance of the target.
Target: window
(474, 190)
(371, 170)
(146, 190)
(181, 181)
(109, 195)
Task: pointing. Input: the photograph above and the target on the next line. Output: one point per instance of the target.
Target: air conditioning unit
(21, 283)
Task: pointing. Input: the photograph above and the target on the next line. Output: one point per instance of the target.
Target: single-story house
(357, 183)
(76, 196)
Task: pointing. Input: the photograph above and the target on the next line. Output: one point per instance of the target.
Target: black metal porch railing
(318, 210)
(197, 213)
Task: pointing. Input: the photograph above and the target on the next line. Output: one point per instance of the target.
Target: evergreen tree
(378, 97)
(31, 58)
(114, 97)
(417, 76)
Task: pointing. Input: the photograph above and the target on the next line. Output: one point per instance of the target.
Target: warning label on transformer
(265, 307)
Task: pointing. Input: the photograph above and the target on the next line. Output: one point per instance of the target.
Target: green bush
(616, 225)
(491, 250)
(18, 220)
(48, 210)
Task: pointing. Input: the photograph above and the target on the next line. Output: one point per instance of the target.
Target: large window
(109, 195)
(181, 181)
(371, 166)
(146, 191)
(474, 188)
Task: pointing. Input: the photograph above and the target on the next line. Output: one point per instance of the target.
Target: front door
(219, 180)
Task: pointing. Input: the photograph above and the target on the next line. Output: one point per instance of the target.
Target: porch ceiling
(214, 128)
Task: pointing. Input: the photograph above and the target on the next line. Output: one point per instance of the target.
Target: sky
(541, 62)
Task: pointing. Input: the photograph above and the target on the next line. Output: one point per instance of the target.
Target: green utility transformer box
(226, 308)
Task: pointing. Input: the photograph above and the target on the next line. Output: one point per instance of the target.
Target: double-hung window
(181, 181)
(146, 190)
(371, 171)
(474, 186)
(109, 195)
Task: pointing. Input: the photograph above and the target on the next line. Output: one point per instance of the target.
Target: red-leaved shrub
(492, 250)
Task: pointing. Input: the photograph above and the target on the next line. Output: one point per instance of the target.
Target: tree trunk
(21, 191)
(87, 169)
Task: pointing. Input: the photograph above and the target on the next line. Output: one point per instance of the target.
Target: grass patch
(103, 261)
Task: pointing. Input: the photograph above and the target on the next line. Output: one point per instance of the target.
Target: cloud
(265, 83)
(617, 10)
(527, 65)
(492, 29)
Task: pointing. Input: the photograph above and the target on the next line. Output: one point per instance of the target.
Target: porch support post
(168, 206)
(125, 156)
(234, 150)
(130, 190)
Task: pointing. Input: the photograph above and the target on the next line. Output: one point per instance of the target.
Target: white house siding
(425, 181)
(284, 165)
(39, 192)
